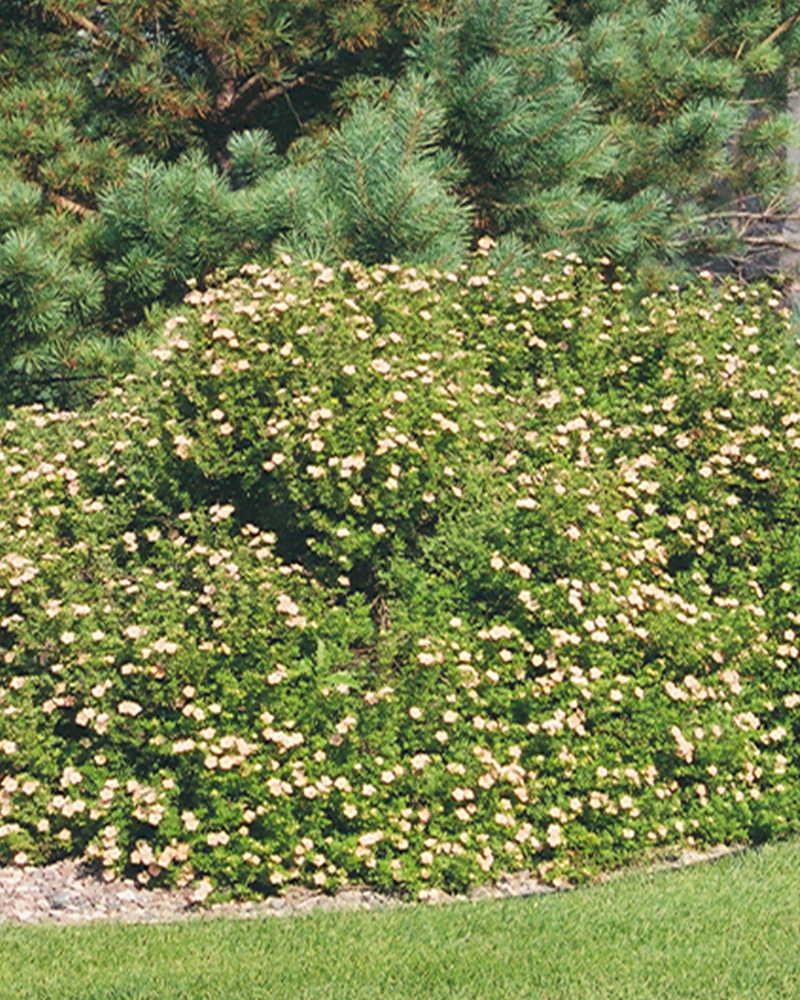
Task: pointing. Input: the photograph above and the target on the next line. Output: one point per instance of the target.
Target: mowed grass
(724, 929)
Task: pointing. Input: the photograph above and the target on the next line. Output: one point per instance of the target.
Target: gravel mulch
(73, 892)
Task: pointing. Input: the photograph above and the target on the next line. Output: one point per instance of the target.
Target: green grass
(723, 930)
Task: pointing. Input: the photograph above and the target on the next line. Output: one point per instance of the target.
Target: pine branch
(781, 28)
(47, 379)
(233, 96)
(771, 37)
(765, 216)
(71, 206)
(230, 95)
(83, 22)
(281, 88)
(770, 214)
(772, 241)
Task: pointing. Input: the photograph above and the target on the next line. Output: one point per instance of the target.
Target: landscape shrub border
(408, 578)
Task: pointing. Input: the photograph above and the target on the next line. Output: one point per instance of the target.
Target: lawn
(723, 930)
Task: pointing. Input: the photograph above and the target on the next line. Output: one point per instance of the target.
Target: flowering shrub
(408, 578)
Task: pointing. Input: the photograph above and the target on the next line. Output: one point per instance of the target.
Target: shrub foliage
(408, 577)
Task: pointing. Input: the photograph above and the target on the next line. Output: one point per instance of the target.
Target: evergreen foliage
(164, 224)
(515, 114)
(253, 157)
(41, 293)
(143, 144)
(384, 191)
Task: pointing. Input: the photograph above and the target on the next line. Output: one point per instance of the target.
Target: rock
(128, 896)
(63, 898)
(478, 893)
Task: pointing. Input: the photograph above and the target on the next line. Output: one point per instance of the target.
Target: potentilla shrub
(411, 578)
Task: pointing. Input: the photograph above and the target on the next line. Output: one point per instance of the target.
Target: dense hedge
(408, 578)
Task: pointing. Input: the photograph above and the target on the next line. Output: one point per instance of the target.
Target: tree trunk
(790, 256)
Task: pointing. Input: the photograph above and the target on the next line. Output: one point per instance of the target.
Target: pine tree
(636, 129)
(164, 224)
(143, 144)
(384, 187)
(42, 293)
(695, 93)
(534, 144)
(87, 90)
